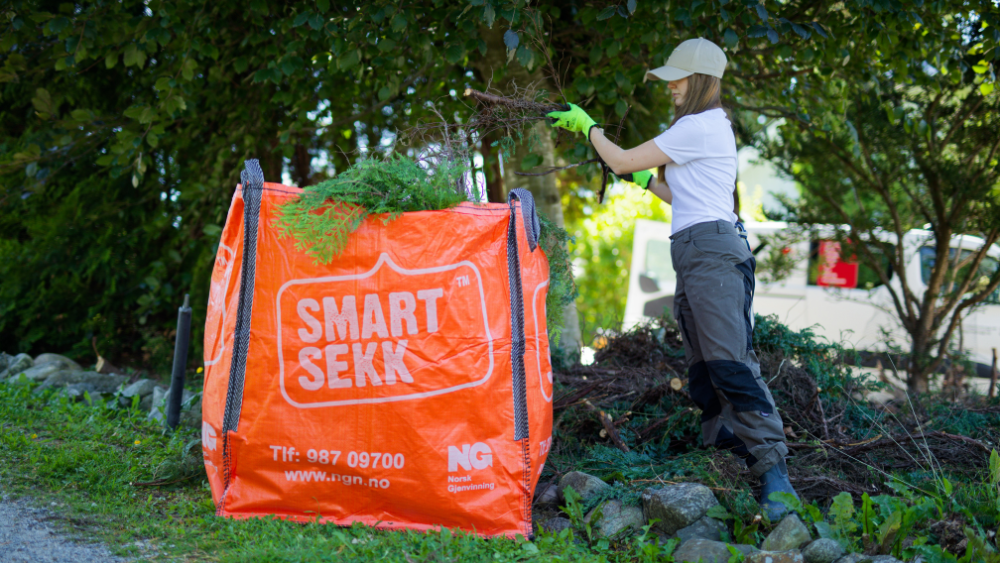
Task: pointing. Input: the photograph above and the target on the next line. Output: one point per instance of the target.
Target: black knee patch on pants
(728, 441)
(702, 391)
(739, 385)
(747, 268)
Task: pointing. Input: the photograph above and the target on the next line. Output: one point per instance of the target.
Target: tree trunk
(491, 171)
(918, 379)
(493, 68)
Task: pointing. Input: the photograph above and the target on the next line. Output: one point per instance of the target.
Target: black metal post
(180, 362)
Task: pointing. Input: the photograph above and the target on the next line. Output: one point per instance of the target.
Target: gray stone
(616, 519)
(158, 408)
(677, 506)
(556, 524)
(790, 533)
(103, 383)
(790, 556)
(822, 551)
(45, 359)
(161, 397)
(44, 371)
(706, 528)
(5, 359)
(16, 365)
(141, 389)
(587, 486)
(862, 558)
(545, 494)
(191, 413)
(18, 379)
(75, 391)
(708, 551)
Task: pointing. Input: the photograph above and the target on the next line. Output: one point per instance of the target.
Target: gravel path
(25, 537)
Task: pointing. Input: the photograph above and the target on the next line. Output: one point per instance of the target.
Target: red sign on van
(833, 271)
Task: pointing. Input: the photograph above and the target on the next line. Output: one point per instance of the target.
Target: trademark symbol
(462, 281)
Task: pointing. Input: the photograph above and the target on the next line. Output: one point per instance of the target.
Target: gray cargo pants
(713, 305)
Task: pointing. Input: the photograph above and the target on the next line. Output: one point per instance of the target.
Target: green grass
(122, 480)
(88, 459)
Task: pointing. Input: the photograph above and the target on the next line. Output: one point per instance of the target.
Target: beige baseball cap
(694, 55)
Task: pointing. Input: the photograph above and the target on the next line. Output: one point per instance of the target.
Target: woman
(713, 303)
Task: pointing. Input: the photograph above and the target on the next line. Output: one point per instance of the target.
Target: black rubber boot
(772, 481)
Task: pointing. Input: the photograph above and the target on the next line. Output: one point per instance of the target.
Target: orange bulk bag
(406, 384)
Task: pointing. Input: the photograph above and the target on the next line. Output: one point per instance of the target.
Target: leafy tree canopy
(124, 124)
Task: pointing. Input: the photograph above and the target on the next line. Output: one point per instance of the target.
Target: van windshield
(989, 265)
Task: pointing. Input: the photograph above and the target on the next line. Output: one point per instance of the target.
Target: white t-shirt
(703, 174)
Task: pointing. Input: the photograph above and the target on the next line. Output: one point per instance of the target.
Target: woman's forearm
(661, 190)
(659, 186)
(643, 157)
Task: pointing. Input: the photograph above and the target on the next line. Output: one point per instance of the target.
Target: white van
(842, 300)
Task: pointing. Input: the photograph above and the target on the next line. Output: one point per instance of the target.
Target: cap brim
(667, 73)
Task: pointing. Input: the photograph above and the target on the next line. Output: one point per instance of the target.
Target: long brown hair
(703, 94)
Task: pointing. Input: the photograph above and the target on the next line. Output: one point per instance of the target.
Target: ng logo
(208, 436)
(476, 456)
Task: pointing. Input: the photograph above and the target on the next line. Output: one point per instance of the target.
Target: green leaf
(56, 25)
(621, 107)
(511, 39)
(349, 59)
(786, 499)
(489, 14)
(762, 12)
(134, 56)
(819, 29)
(595, 54)
(454, 54)
(301, 19)
(323, 6)
(731, 38)
(986, 88)
(80, 114)
(803, 32)
(43, 101)
(525, 56)
(187, 68)
(316, 21)
(386, 44)
(631, 6)
(134, 112)
(398, 22)
(994, 474)
(824, 530)
(240, 64)
(110, 60)
(531, 161)
(606, 13)
(718, 512)
(756, 31)
(614, 49)
(772, 34)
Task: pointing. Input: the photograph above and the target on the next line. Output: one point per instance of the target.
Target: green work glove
(575, 120)
(641, 178)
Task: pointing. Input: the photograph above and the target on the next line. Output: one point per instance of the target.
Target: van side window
(829, 265)
(928, 257)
